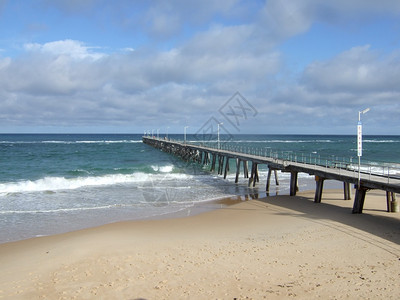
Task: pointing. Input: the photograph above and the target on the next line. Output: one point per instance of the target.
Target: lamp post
(359, 142)
(218, 134)
(167, 132)
(185, 134)
(158, 134)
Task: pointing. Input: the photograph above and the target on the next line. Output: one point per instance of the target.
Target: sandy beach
(272, 248)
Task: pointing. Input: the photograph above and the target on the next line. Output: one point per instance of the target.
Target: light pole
(167, 132)
(158, 134)
(218, 134)
(152, 133)
(185, 134)
(359, 142)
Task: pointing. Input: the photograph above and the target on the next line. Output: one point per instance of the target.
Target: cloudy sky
(302, 67)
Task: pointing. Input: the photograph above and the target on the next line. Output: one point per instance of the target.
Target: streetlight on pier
(218, 146)
(158, 134)
(359, 141)
(152, 133)
(185, 134)
(167, 132)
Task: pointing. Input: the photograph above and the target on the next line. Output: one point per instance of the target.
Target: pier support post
(276, 177)
(346, 190)
(318, 190)
(359, 200)
(221, 164)
(269, 178)
(392, 204)
(293, 183)
(214, 158)
(245, 169)
(251, 179)
(207, 158)
(254, 174)
(226, 167)
(238, 160)
(388, 200)
(256, 177)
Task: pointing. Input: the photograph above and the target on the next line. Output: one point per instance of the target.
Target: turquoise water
(56, 183)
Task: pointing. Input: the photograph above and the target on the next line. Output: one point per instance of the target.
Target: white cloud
(4, 62)
(166, 18)
(282, 19)
(329, 93)
(358, 70)
(358, 8)
(71, 48)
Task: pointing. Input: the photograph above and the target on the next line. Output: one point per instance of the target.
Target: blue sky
(303, 67)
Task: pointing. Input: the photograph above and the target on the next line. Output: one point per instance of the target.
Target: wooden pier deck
(346, 174)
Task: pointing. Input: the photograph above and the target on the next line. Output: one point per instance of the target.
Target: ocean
(54, 183)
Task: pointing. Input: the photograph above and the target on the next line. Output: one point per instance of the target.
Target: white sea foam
(60, 210)
(163, 169)
(380, 141)
(62, 183)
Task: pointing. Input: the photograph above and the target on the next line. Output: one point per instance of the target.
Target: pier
(343, 172)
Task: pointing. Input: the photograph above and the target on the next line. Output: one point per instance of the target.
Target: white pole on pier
(218, 146)
(359, 141)
(185, 134)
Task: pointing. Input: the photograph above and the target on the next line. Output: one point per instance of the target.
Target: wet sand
(273, 248)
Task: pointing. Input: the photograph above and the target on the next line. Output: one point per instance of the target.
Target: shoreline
(221, 203)
(47, 224)
(197, 208)
(273, 247)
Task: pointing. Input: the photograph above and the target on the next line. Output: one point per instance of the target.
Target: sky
(263, 67)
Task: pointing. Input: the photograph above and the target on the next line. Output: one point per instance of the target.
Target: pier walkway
(343, 172)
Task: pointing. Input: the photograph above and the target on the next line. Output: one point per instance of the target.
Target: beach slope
(277, 247)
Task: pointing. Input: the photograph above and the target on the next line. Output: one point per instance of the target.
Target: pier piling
(347, 190)
(319, 187)
(293, 183)
(359, 200)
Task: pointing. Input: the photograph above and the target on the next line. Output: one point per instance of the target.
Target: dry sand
(273, 248)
